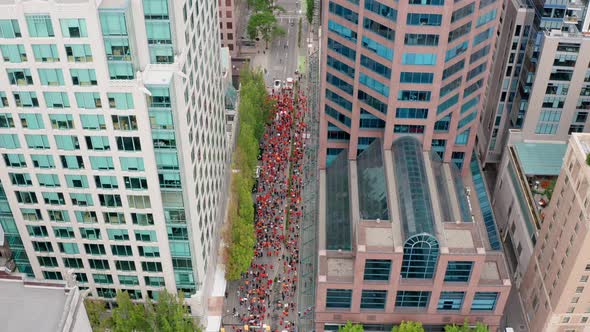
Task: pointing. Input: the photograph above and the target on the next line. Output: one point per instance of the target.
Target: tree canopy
(263, 22)
(349, 327)
(408, 326)
(166, 315)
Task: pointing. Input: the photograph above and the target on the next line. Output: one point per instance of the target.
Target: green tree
(128, 316)
(168, 314)
(349, 327)
(96, 311)
(264, 25)
(309, 10)
(408, 326)
(479, 327)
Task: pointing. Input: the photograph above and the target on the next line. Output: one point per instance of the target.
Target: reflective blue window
(412, 299)
(343, 50)
(450, 71)
(56, 99)
(463, 12)
(374, 84)
(413, 95)
(343, 12)
(337, 82)
(476, 71)
(420, 257)
(73, 27)
(40, 26)
(408, 129)
(381, 9)
(479, 54)
(427, 2)
(338, 116)
(443, 124)
(483, 36)
(377, 269)
(369, 121)
(14, 53)
(373, 299)
(342, 31)
(450, 301)
(379, 29)
(9, 29)
(377, 48)
(372, 101)
(469, 104)
(463, 137)
(416, 77)
(466, 120)
(445, 105)
(375, 66)
(424, 19)
(456, 50)
(421, 59)
(338, 298)
(472, 88)
(450, 87)
(438, 146)
(411, 113)
(486, 17)
(336, 98)
(484, 301)
(340, 66)
(458, 271)
(420, 39)
(459, 32)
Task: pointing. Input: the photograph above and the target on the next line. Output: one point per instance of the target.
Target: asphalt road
(283, 51)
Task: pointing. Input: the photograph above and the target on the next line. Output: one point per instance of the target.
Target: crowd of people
(267, 294)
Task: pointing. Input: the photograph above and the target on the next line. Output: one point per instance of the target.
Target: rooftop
(28, 306)
(387, 196)
(541, 158)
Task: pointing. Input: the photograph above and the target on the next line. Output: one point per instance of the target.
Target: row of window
(90, 217)
(66, 122)
(95, 234)
(41, 26)
(84, 100)
(71, 143)
(15, 53)
(79, 181)
(52, 77)
(83, 199)
(380, 270)
(97, 163)
(377, 300)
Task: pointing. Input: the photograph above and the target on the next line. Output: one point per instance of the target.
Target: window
(63, 232)
(420, 257)
(483, 36)
(88, 100)
(373, 299)
(83, 77)
(484, 301)
(78, 52)
(145, 236)
(456, 51)
(451, 86)
(102, 278)
(9, 29)
(413, 95)
(110, 200)
(40, 26)
(68, 248)
(120, 71)
(338, 298)
(486, 17)
(135, 183)
(58, 215)
(52, 77)
(341, 49)
(101, 163)
(377, 269)
(149, 251)
(377, 48)
(77, 181)
(379, 29)
(97, 143)
(37, 141)
(424, 19)
(106, 182)
(462, 12)
(39, 246)
(421, 39)
(381, 9)
(113, 217)
(337, 99)
(416, 77)
(67, 142)
(337, 82)
(14, 53)
(121, 250)
(375, 67)
(450, 300)
(118, 235)
(136, 164)
(9, 141)
(19, 76)
(342, 31)
(128, 280)
(81, 199)
(61, 121)
(86, 217)
(453, 69)
(52, 275)
(56, 99)
(459, 32)
(14, 160)
(146, 219)
(151, 266)
(37, 231)
(341, 66)
(31, 120)
(343, 12)
(372, 101)
(427, 2)
(74, 263)
(458, 271)
(476, 71)
(408, 129)
(124, 122)
(6, 120)
(374, 84)
(94, 249)
(412, 299)
(20, 179)
(48, 180)
(73, 27)
(45, 52)
(421, 59)
(25, 99)
(42, 161)
(92, 122)
(128, 143)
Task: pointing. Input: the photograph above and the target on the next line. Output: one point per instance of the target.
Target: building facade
(554, 288)
(227, 26)
(403, 236)
(382, 62)
(113, 145)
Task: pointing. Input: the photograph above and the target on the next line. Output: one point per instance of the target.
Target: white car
(289, 83)
(277, 85)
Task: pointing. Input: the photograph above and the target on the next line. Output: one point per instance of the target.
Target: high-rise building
(404, 236)
(227, 25)
(416, 68)
(113, 145)
(540, 85)
(554, 288)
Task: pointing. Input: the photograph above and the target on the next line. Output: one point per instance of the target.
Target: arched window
(420, 256)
